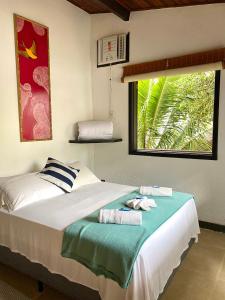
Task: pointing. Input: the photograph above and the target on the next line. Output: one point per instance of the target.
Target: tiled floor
(201, 275)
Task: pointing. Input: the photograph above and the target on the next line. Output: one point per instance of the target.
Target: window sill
(184, 154)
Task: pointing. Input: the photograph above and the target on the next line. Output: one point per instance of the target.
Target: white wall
(70, 75)
(155, 35)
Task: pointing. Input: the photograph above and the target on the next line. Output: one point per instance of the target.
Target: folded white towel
(115, 216)
(144, 204)
(156, 191)
(95, 129)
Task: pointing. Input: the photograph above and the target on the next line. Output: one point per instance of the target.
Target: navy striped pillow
(59, 174)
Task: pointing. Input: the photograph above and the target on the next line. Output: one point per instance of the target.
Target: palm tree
(176, 112)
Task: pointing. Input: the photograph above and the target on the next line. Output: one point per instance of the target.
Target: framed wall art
(33, 79)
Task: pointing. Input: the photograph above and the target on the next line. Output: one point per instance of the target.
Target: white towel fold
(144, 204)
(95, 130)
(115, 216)
(156, 191)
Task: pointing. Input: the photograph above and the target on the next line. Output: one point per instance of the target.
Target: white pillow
(86, 176)
(21, 190)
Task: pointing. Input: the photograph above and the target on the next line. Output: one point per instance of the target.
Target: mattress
(36, 231)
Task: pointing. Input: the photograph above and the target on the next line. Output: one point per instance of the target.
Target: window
(175, 115)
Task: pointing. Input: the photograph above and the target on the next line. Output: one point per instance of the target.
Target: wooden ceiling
(122, 8)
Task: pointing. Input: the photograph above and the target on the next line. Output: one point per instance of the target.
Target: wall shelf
(113, 140)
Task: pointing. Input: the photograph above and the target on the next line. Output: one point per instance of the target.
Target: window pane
(176, 113)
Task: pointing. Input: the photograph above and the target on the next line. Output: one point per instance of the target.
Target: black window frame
(133, 97)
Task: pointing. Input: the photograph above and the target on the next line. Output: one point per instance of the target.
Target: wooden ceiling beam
(117, 9)
(122, 8)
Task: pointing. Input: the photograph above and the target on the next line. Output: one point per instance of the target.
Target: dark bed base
(58, 282)
(43, 276)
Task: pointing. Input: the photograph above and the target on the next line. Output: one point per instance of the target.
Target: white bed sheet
(36, 232)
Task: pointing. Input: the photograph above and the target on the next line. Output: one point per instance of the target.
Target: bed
(36, 232)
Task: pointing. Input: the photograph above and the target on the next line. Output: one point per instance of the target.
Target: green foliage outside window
(176, 112)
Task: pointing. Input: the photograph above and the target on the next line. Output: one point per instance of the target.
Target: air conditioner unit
(113, 49)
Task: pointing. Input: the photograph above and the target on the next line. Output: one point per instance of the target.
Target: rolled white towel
(115, 216)
(144, 204)
(156, 191)
(96, 137)
(95, 129)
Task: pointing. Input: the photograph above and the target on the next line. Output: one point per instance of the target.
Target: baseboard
(212, 226)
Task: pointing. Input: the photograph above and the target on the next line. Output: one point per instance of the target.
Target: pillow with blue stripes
(59, 174)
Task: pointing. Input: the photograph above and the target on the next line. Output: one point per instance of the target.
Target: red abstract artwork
(32, 56)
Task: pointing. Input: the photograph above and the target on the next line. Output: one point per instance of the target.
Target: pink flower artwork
(26, 94)
(19, 24)
(40, 30)
(40, 76)
(41, 129)
(33, 80)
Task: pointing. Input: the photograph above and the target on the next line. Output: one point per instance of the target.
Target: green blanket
(110, 249)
